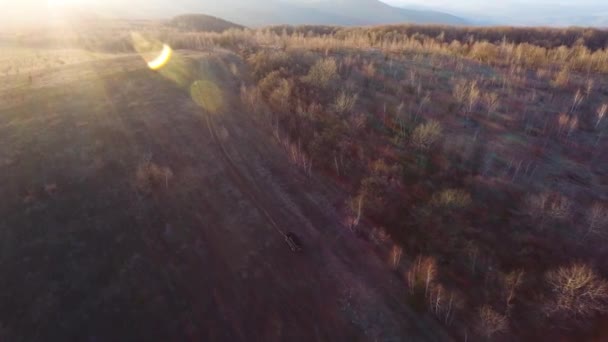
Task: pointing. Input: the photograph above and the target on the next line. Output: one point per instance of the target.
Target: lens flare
(207, 95)
(148, 49)
(162, 59)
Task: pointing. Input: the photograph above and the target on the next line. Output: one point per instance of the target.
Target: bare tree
(396, 254)
(454, 303)
(430, 272)
(577, 292)
(473, 254)
(359, 211)
(444, 303)
(597, 220)
(512, 282)
(589, 87)
(491, 322)
(425, 100)
(436, 299)
(460, 92)
(491, 101)
(601, 113)
(251, 97)
(413, 276)
(473, 97)
(576, 101)
(559, 208)
(535, 204)
(422, 273)
(400, 114)
(573, 125)
(543, 207)
(563, 121)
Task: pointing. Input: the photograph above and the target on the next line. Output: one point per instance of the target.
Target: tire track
(245, 186)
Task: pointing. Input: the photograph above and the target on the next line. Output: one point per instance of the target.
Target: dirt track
(198, 261)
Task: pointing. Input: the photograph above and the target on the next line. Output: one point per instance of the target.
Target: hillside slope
(92, 240)
(201, 22)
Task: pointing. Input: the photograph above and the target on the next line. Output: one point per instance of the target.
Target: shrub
(322, 73)
(280, 96)
(265, 62)
(269, 83)
(426, 135)
(251, 97)
(530, 55)
(373, 191)
(597, 220)
(562, 78)
(484, 52)
(474, 95)
(559, 207)
(452, 198)
(150, 177)
(543, 207)
(491, 101)
(460, 92)
(345, 102)
(490, 322)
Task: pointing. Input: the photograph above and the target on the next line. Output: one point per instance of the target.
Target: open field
(443, 188)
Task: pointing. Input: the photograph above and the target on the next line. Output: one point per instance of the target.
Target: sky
(490, 12)
(517, 11)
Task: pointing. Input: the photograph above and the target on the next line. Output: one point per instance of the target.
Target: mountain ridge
(291, 12)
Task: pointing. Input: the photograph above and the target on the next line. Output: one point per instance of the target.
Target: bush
(323, 73)
(265, 62)
(490, 322)
(426, 135)
(484, 52)
(150, 177)
(562, 78)
(531, 56)
(269, 83)
(280, 96)
(345, 102)
(452, 198)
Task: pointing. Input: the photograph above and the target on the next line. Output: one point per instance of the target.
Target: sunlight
(64, 3)
(148, 50)
(162, 59)
(207, 95)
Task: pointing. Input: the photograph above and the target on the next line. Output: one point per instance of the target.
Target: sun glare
(162, 59)
(66, 3)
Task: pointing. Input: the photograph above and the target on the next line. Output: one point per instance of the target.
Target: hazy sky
(507, 8)
(516, 12)
(480, 5)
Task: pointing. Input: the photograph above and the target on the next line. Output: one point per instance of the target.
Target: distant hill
(202, 22)
(275, 12)
(373, 12)
(313, 12)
